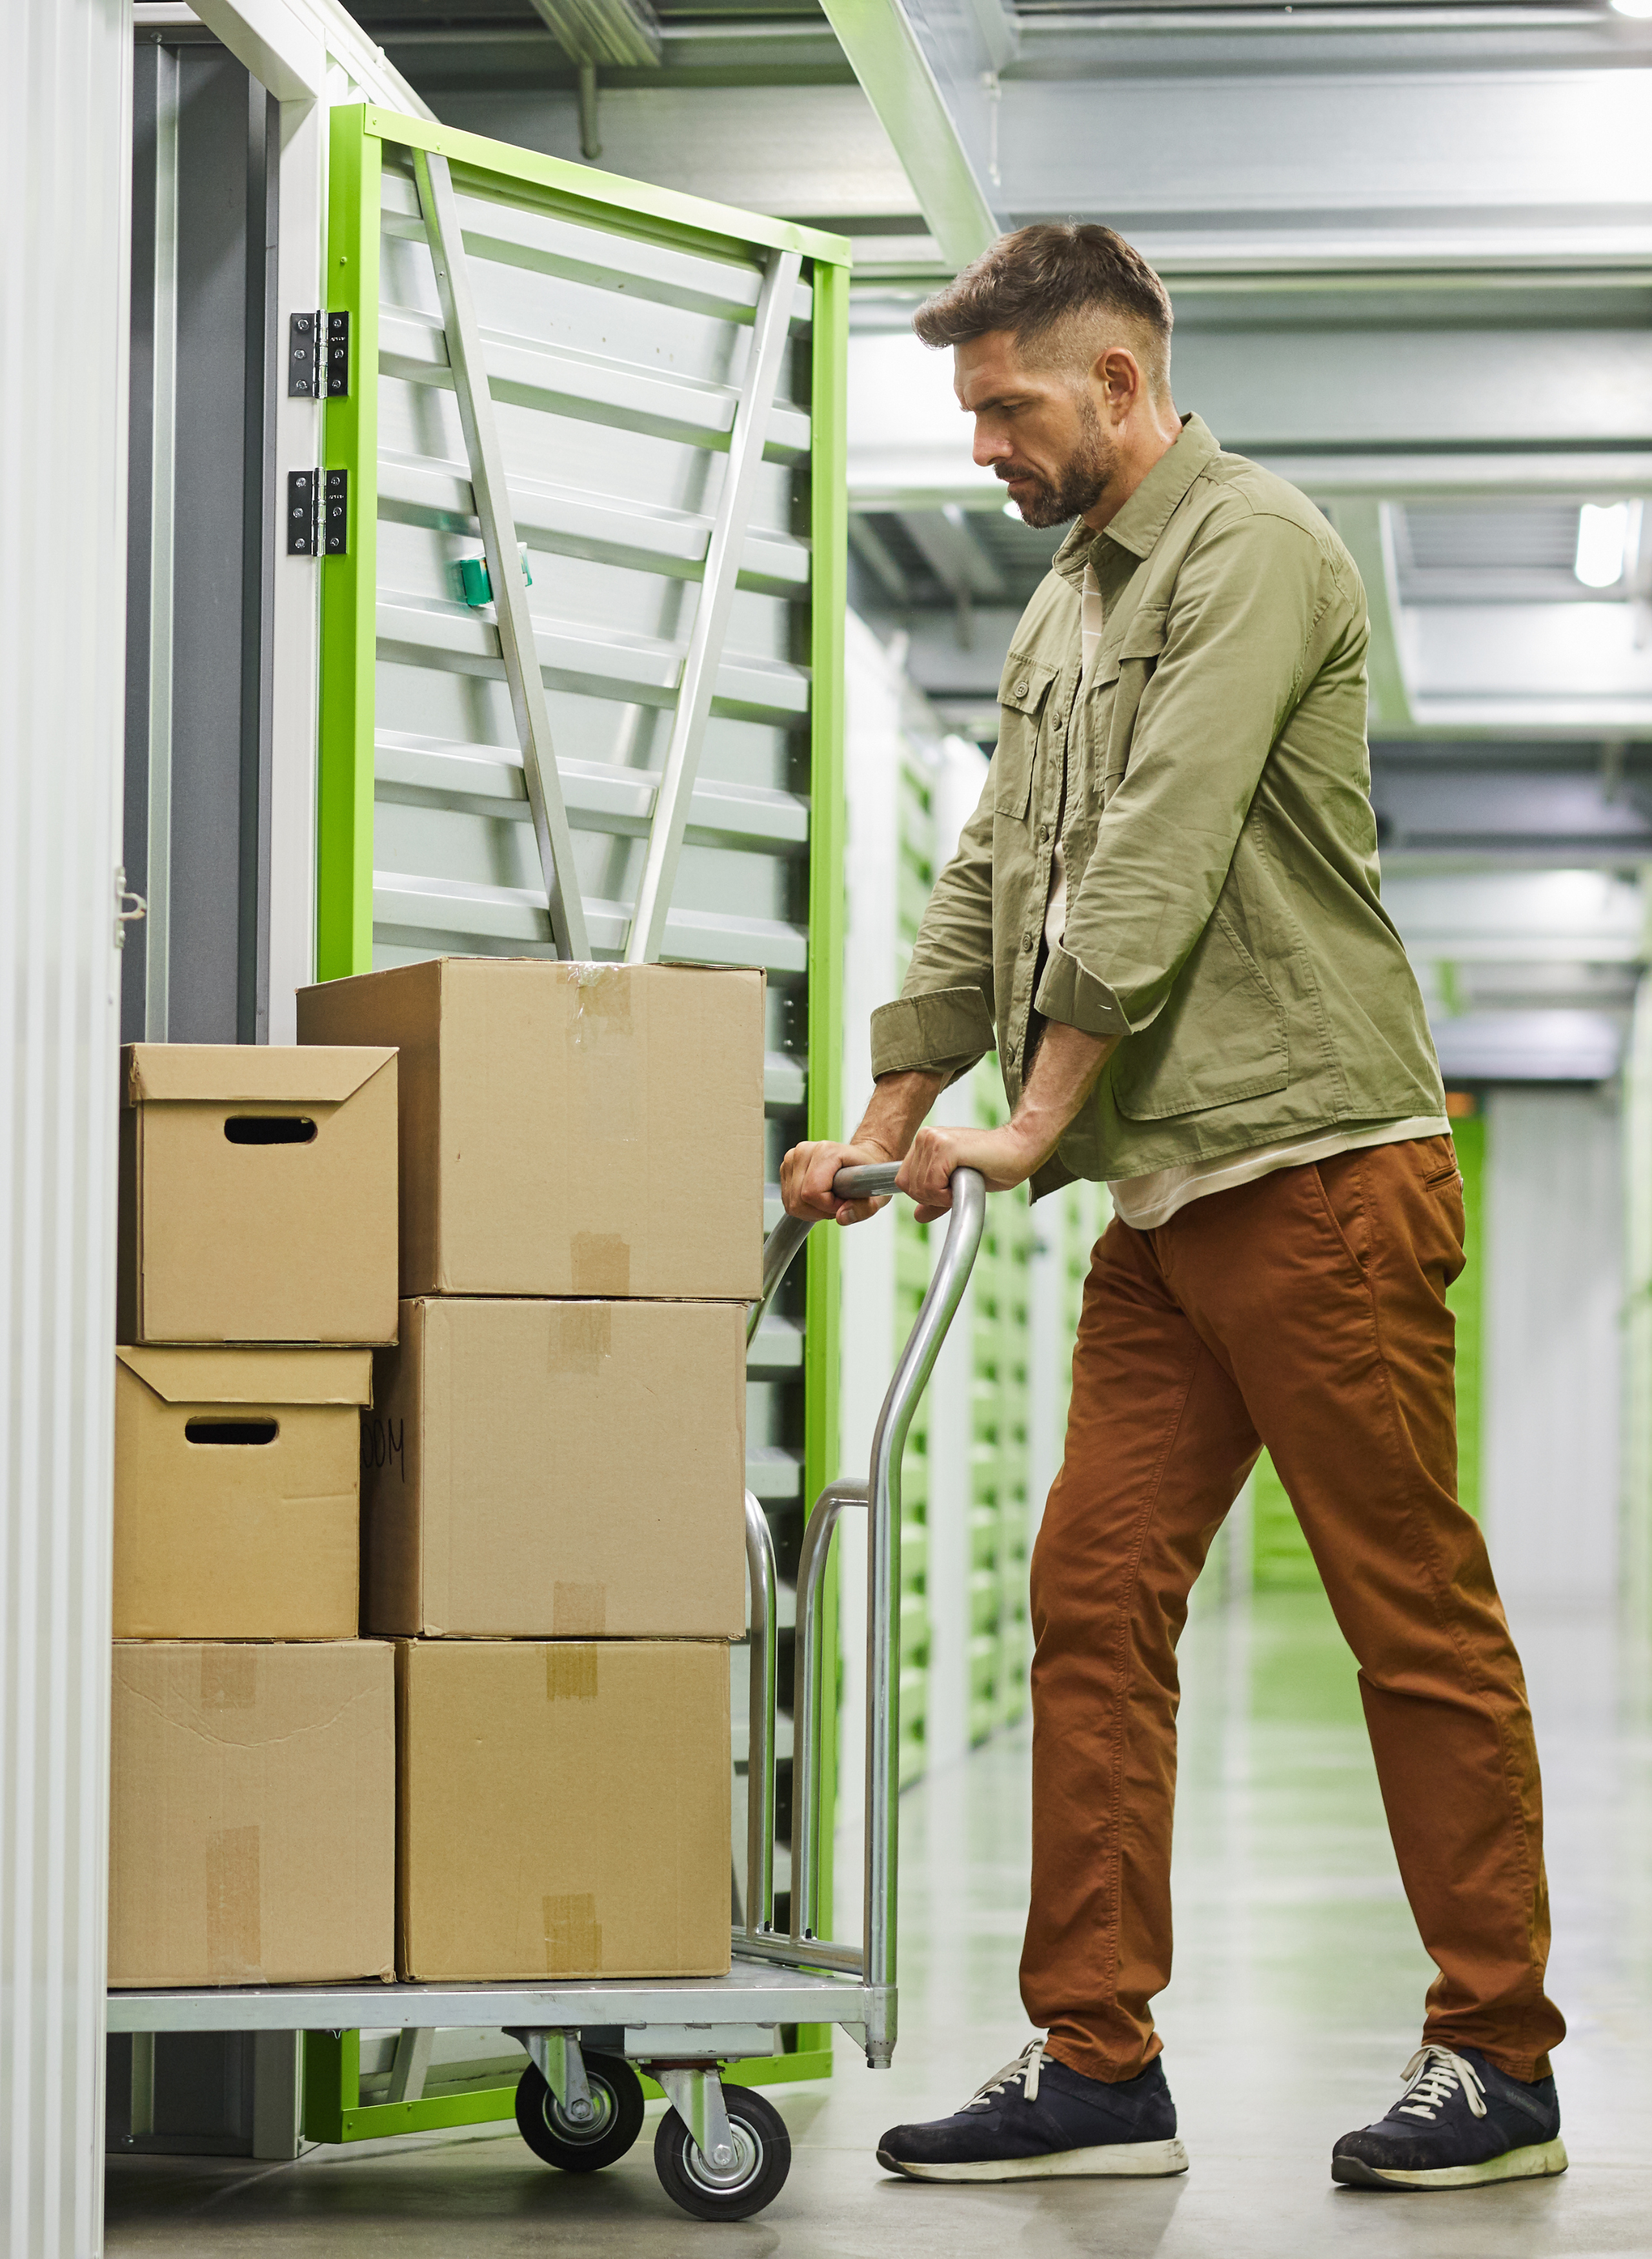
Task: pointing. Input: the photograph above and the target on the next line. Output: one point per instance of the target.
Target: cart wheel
(762, 2159)
(618, 2094)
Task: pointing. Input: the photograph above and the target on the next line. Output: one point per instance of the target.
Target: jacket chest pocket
(1023, 693)
(1114, 697)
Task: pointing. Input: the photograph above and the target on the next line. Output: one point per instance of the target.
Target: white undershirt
(1144, 1202)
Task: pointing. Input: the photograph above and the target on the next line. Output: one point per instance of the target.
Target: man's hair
(1041, 282)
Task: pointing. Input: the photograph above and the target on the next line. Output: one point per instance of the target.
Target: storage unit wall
(637, 348)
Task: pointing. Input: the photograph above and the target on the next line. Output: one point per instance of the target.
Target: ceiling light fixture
(1633, 7)
(1603, 541)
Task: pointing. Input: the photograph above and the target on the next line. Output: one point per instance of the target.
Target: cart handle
(875, 1959)
(871, 1181)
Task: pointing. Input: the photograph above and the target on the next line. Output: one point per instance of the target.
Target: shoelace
(1025, 2067)
(1433, 2075)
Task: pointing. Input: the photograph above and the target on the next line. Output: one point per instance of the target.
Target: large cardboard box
(237, 1492)
(569, 1128)
(562, 1808)
(252, 1813)
(557, 1471)
(257, 1194)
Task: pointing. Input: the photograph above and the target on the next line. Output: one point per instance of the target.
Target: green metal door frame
(344, 790)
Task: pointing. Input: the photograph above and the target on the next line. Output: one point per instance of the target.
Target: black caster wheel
(616, 2093)
(762, 2159)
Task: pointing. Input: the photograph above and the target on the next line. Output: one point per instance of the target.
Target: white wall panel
(1553, 1296)
(65, 160)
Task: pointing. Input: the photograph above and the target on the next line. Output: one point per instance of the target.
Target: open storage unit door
(581, 526)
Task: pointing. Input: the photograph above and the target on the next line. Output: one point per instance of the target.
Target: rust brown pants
(1304, 1311)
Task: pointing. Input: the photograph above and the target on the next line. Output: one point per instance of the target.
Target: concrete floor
(1296, 2001)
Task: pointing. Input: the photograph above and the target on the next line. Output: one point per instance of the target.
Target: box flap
(248, 1074)
(253, 1376)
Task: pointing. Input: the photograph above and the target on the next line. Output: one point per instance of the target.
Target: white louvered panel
(65, 158)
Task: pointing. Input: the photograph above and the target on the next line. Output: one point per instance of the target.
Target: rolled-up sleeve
(1238, 630)
(943, 1020)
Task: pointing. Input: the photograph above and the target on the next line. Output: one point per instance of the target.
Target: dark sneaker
(1460, 2123)
(1038, 2121)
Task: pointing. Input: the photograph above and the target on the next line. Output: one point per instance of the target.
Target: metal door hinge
(310, 337)
(318, 513)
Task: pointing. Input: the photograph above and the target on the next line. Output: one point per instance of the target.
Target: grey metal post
(759, 1766)
(491, 494)
(811, 1577)
(711, 611)
(883, 1564)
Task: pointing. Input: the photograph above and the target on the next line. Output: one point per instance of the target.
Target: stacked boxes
(553, 1468)
(253, 1803)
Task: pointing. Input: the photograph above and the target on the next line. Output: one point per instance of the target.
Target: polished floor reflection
(1296, 2001)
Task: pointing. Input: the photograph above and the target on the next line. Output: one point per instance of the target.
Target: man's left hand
(1006, 1157)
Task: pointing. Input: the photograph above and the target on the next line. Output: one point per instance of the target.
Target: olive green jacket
(1212, 783)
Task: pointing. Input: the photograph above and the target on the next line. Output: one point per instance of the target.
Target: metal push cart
(720, 2154)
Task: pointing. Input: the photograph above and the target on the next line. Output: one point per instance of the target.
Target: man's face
(1039, 429)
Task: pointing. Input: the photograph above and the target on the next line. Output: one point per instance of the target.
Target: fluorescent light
(1603, 536)
(1013, 509)
(1633, 7)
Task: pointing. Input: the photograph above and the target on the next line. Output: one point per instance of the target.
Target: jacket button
(1026, 942)
(1023, 687)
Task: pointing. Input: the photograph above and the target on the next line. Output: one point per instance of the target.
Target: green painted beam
(634, 208)
(343, 813)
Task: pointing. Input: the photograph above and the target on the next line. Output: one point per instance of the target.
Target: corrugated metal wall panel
(65, 111)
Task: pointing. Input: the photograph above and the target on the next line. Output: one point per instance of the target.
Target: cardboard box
(569, 1128)
(562, 1808)
(237, 1492)
(252, 1813)
(257, 1194)
(557, 1471)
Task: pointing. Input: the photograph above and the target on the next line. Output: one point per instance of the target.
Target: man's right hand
(807, 1175)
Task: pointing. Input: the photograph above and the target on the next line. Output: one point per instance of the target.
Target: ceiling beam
(944, 136)
(951, 550)
(625, 32)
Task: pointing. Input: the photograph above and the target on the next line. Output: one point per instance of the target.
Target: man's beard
(1083, 479)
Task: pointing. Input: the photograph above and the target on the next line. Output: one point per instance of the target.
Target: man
(1164, 916)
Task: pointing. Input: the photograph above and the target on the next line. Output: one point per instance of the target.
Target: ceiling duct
(625, 33)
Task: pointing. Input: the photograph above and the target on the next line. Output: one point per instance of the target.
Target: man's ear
(1119, 376)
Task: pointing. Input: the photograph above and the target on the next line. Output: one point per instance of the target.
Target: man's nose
(990, 444)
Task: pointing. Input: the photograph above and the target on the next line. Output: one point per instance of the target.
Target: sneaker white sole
(1123, 2160)
(1536, 2161)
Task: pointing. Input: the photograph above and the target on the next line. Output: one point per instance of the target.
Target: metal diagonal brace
(711, 613)
(492, 494)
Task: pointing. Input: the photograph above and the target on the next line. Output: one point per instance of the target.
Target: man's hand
(806, 1180)
(1064, 1074)
(1006, 1157)
(898, 1103)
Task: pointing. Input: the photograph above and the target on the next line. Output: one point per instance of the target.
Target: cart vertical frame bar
(350, 441)
(828, 517)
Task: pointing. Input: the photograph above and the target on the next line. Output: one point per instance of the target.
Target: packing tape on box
(234, 1923)
(582, 1333)
(579, 1612)
(602, 1264)
(604, 992)
(229, 1677)
(570, 1675)
(572, 1935)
